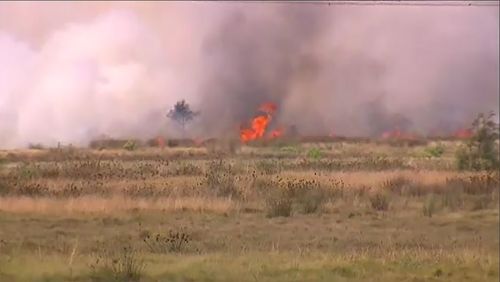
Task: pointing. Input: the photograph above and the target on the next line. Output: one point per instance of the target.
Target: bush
(453, 200)
(482, 202)
(434, 151)
(398, 185)
(130, 145)
(293, 150)
(107, 143)
(312, 200)
(31, 189)
(429, 207)
(186, 169)
(220, 178)
(279, 204)
(173, 242)
(221, 147)
(124, 265)
(268, 167)
(480, 152)
(309, 195)
(476, 184)
(379, 201)
(314, 153)
(306, 195)
(35, 146)
(6, 185)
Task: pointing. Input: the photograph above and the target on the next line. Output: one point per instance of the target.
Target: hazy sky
(72, 71)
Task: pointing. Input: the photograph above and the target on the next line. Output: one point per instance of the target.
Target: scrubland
(313, 211)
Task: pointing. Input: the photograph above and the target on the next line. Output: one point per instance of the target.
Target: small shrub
(297, 187)
(186, 169)
(312, 200)
(452, 200)
(482, 202)
(398, 185)
(221, 147)
(438, 273)
(173, 242)
(36, 146)
(308, 195)
(434, 151)
(130, 145)
(220, 179)
(293, 150)
(267, 167)
(482, 184)
(279, 205)
(314, 153)
(480, 152)
(141, 191)
(124, 265)
(26, 171)
(261, 183)
(379, 201)
(430, 205)
(6, 186)
(381, 163)
(70, 190)
(476, 184)
(107, 143)
(31, 189)
(172, 143)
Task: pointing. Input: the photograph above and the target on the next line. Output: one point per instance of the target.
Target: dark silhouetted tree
(182, 114)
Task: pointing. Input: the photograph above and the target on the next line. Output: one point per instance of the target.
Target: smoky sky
(252, 59)
(72, 72)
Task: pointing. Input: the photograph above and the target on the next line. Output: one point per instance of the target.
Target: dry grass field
(315, 211)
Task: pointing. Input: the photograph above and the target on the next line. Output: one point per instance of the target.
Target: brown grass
(350, 178)
(375, 178)
(114, 204)
(317, 206)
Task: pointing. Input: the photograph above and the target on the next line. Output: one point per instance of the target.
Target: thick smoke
(354, 71)
(115, 69)
(87, 80)
(255, 58)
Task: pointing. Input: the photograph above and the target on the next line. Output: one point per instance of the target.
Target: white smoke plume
(103, 77)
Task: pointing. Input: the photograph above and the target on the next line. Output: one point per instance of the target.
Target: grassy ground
(307, 212)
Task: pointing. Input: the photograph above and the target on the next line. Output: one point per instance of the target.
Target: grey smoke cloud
(116, 68)
(328, 67)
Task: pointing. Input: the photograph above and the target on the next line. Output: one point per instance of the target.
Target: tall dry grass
(114, 204)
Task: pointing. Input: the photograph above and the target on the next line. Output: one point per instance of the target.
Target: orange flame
(464, 133)
(198, 141)
(268, 108)
(160, 141)
(259, 124)
(277, 133)
(398, 134)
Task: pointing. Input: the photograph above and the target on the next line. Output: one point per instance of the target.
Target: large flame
(259, 124)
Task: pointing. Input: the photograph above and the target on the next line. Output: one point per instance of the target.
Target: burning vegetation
(260, 123)
(398, 134)
(463, 133)
(262, 127)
